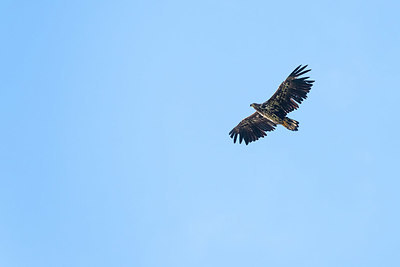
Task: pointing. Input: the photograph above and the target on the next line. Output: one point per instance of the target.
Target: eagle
(269, 114)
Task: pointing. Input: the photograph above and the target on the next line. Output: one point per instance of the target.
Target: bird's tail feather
(290, 124)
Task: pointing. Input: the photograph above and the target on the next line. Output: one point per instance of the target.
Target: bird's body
(273, 112)
(266, 113)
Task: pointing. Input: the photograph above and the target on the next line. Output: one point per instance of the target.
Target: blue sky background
(114, 134)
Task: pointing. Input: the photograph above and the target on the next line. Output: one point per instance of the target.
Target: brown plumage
(287, 98)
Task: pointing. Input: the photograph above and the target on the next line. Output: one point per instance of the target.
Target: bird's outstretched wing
(290, 93)
(252, 128)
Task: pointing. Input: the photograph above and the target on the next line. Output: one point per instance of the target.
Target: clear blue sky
(114, 134)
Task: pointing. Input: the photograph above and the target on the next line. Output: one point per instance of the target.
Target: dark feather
(292, 89)
(252, 128)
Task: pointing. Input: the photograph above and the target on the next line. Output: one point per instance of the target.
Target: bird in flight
(287, 98)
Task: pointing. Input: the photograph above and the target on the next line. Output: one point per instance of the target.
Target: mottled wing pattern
(252, 128)
(290, 93)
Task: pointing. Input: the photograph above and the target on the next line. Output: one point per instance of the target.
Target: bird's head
(254, 105)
